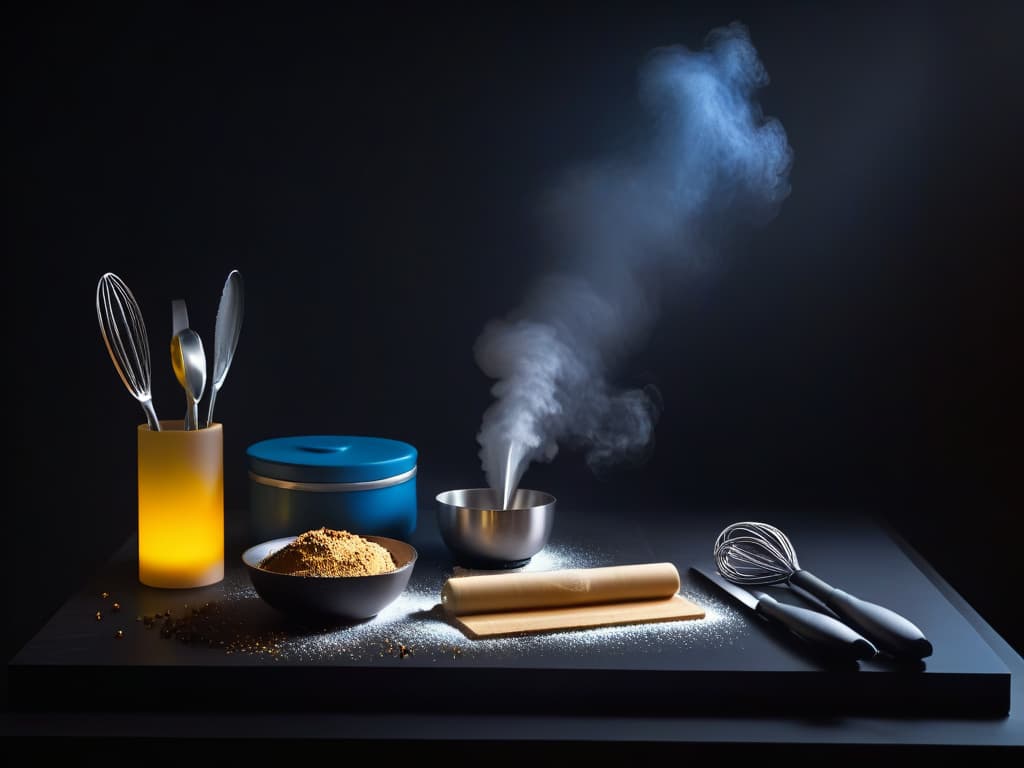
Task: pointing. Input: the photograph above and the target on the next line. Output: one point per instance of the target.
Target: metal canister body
(365, 485)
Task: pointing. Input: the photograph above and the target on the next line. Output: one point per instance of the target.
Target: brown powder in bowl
(328, 553)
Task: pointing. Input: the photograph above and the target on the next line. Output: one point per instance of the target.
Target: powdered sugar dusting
(415, 625)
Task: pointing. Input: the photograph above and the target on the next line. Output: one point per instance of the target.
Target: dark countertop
(728, 681)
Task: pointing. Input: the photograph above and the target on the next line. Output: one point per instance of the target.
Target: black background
(375, 174)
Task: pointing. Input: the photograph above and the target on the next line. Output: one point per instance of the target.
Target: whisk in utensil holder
(886, 628)
(181, 505)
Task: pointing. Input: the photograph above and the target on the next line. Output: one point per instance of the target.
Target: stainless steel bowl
(483, 535)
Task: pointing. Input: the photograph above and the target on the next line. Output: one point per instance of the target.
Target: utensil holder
(181, 505)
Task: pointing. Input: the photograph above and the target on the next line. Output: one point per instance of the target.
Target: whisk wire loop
(124, 333)
(755, 553)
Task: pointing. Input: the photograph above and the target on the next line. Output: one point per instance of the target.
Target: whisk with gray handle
(124, 333)
(758, 553)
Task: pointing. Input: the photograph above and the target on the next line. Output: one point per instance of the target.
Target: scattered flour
(415, 625)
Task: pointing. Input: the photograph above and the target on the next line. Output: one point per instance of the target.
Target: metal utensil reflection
(480, 533)
(124, 333)
(225, 338)
(189, 362)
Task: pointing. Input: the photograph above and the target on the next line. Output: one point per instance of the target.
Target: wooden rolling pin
(583, 597)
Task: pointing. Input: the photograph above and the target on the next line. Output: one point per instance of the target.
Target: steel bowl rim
(550, 499)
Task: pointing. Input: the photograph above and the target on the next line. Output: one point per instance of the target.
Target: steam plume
(625, 227)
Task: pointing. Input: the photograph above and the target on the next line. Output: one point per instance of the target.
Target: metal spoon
(179, 316)
(228, 328)
(189, 362)
(179, 322)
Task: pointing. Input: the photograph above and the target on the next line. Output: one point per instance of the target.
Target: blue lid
(330, 458)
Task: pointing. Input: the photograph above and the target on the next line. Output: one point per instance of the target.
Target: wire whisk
(124, 333)
(755, 553)
(758, 553)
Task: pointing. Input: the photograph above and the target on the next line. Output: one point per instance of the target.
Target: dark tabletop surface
(850, 551)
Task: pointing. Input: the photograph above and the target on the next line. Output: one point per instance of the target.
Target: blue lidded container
(364, 485)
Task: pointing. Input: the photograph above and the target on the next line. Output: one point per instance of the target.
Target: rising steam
(624, 227)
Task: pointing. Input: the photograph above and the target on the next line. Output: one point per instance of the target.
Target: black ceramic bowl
(344, 597)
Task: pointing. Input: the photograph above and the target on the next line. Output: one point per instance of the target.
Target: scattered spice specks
(99, 615)
(119, 634)
(116, 607)
(415, 629)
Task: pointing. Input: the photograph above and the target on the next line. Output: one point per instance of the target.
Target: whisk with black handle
(758, 553)
(124, 333)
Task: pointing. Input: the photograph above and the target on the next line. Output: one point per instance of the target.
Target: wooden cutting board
(481, 625)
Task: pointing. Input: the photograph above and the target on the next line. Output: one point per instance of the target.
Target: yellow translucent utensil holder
(181, 505)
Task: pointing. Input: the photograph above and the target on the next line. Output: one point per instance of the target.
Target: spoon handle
(213, 399)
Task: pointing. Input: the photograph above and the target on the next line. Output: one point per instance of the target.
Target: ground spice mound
(326, 552)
